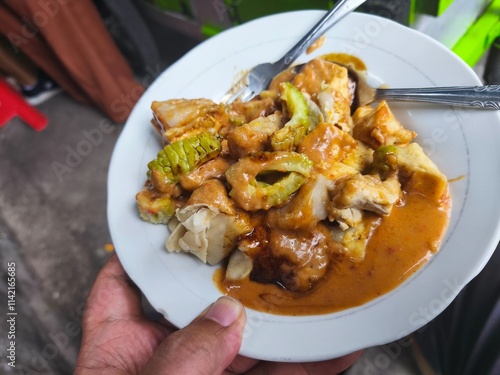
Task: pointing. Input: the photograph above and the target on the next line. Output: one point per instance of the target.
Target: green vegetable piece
(183, 156)
(291, 169)
(290, 135)
(384, 161)
(182, 162)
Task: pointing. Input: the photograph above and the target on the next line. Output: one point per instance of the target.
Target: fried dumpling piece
(378, 127)
(365, 192)
(355, 239)
(181, 118)
(318, 74)
(208, 225)
(254, 136)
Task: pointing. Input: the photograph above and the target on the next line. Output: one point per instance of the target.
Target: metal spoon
(482, 97)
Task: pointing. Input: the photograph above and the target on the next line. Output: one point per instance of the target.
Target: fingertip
(225, 311)
(210, 342)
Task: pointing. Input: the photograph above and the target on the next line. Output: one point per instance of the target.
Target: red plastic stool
(12, 104)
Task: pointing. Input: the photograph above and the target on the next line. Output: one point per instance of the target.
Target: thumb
(206, 346)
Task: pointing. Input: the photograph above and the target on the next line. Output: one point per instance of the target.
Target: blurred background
(67, 85)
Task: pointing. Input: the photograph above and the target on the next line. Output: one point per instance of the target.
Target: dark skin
(119, 339)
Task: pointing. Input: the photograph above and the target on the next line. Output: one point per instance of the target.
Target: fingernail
(225, 311)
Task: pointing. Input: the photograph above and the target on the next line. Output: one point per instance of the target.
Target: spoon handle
(341, 9)
(486, 97)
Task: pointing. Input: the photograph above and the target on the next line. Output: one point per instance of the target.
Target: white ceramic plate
(464, 143)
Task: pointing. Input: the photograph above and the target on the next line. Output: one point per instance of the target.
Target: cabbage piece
(355, 239)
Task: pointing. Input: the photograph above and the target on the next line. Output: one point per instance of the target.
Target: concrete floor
(54, 229)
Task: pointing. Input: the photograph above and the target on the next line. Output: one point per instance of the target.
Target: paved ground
(53, 227)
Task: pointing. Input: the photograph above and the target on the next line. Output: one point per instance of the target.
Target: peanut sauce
(403, 242)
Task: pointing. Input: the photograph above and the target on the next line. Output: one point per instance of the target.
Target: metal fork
(261, 75)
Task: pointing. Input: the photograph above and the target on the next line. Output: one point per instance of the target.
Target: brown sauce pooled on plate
(404, 241)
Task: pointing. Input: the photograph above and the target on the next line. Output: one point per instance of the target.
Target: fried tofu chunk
(378, 127)
(318, 74)
(366, 192)
(249, 111)
(420, 172)
(355, 239)
(254, 136)
(182, 118)
(334, 152)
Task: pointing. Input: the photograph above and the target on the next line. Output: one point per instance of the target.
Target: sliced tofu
(249, 111)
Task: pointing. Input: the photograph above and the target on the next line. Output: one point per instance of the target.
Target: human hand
(119, 339)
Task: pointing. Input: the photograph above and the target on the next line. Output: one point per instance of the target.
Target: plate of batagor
(339, 228)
